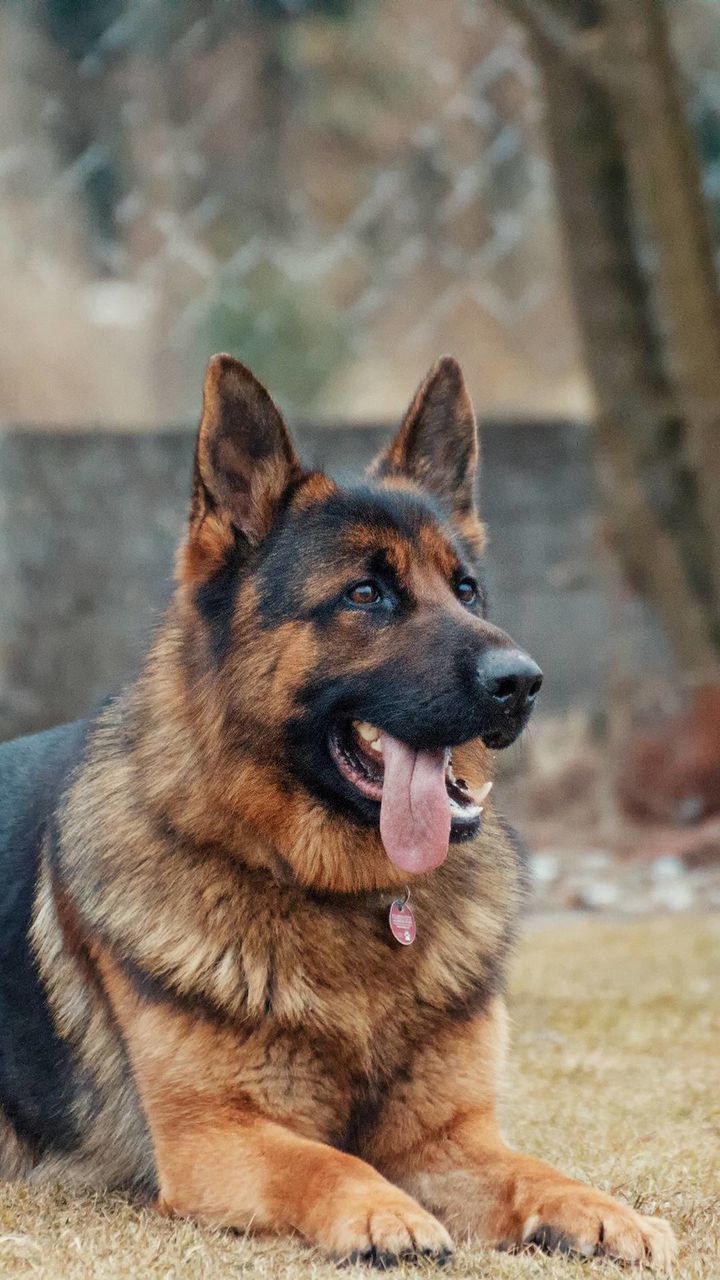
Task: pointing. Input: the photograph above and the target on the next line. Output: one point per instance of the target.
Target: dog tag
(402, 922)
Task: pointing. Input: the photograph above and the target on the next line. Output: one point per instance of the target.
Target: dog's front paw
(580, 1220)
(384, 1229)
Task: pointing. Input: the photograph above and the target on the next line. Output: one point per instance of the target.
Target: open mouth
(357, 749)
(422, 803)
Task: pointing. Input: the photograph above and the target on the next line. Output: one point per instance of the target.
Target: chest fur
(308, 1000)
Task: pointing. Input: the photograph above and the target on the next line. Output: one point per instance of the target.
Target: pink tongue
(415, 808)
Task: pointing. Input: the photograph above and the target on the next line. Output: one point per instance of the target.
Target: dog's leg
(242, 1170)
(439, 1139)
(222, 1158)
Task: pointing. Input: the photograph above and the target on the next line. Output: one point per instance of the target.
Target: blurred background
(337, 191)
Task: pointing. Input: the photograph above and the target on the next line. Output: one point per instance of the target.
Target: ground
(614, 1077)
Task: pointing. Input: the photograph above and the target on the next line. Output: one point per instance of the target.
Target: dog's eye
(466, 590)
(364, 593)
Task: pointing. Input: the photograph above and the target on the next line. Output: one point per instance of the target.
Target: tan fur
(231, 1148)
(115, 1150)
(440, 1141)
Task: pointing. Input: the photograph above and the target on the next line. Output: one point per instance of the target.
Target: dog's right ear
(244, 463)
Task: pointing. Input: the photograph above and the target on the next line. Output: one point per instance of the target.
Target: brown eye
(364, 593)
(466, 590)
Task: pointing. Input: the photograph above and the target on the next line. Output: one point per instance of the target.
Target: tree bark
(666, 185)
(636, 403)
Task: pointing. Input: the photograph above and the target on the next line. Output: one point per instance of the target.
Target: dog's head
(343, 638)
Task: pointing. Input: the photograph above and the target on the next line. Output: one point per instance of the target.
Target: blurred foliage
(302, 8)
(290, 338)
(78, 25)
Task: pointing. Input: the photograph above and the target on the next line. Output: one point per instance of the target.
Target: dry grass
(614, 1077)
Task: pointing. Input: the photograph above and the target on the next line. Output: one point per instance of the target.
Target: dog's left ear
(244, 463)
(437, 444)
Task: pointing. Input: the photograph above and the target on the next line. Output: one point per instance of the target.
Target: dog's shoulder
(34, 771)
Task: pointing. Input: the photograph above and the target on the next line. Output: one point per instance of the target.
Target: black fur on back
(36, 1072)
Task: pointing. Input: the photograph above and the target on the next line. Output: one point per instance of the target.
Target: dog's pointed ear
(437, 444)
(244, 463)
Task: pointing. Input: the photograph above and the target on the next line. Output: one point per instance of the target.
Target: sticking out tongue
(415, 808)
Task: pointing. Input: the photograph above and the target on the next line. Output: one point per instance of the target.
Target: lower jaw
(465, 830)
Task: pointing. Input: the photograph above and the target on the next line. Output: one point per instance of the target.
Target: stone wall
(89, 523)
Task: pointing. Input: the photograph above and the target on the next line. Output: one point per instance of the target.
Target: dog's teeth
(369, 733)
(366, 731)
(481, 793)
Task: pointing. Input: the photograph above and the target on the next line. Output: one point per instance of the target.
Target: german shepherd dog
(210, 993)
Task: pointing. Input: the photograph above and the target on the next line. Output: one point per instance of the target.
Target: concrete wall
(89, 523)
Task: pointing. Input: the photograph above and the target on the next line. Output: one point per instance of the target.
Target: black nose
(511, 678)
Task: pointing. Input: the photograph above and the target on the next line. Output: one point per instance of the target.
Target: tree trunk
(666, 186)
(636, 402)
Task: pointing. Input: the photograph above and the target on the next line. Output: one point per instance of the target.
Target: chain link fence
(336, 192)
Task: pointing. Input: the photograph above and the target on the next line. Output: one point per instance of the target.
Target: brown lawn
(615, 1076)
